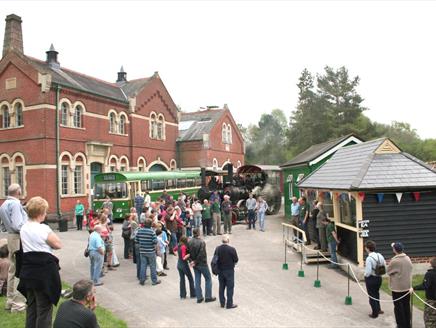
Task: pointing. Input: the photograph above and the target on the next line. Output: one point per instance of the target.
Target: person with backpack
(226, 259)
(375, 268)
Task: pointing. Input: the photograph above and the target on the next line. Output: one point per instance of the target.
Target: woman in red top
(184, 269)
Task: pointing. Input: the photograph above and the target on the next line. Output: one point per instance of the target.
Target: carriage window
(189, 182)
(197, 182)
(181, 183)
(157, 184)
(171, 183)
(145, 185)
(112, 190)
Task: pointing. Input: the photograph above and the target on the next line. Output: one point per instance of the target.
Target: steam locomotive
(248, 179)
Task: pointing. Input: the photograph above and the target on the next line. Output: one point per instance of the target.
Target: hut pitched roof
(374, 165)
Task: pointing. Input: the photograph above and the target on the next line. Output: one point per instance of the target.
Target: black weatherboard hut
(374, 190)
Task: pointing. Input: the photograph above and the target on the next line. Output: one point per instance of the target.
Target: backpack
(380, 269)
(214, 264)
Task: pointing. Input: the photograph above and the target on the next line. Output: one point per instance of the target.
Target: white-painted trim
(40, 167)
(103, 117)
(39, 106)
(334, 149)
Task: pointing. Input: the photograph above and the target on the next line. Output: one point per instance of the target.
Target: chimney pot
(13, 35)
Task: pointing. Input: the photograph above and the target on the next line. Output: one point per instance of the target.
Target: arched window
(160, 135)
(112, 123)
(224, 133)
(19, 172)
(65, 108)
(5, 175)
(77, 120)
(6, 120)
(141, 164)
(113, 164)
(229, 134)
(153, 126)
(122, 128)
(124, 164)
(78, 176)
(173, 164)
(18, 114)
(215, 164)
(65, 174)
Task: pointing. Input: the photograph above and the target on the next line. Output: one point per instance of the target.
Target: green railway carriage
(122, 187)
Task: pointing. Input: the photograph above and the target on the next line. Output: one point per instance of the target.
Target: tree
(267, 140)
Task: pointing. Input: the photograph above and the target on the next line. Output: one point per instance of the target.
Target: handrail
(303, 233)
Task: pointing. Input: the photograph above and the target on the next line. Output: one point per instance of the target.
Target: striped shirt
(147, 240)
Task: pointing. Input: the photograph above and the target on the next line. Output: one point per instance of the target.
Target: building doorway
(157, 168)
(96, 168)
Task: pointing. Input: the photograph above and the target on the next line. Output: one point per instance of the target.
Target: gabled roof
(192, 125)
(316, 153)
(85, 83)
(374, 165)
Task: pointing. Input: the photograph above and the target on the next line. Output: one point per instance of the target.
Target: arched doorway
(157, 168)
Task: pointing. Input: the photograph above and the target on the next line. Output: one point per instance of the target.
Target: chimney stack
(52, 57)
(122, 76)
(13, 35)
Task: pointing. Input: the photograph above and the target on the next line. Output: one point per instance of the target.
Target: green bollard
(285, 266)
(301, 273)
(348, 300)
(317, 284)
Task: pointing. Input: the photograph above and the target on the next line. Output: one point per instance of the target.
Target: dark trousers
(373, 284)
(39, 309)
(251, 219)
(185, 271)
(226, 280)
(402, 309)
(127, 247)
(165, 262)
(207, 226)
(79, 221)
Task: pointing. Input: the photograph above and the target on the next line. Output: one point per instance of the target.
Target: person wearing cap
(429, 285)
(400, 282)
(226, 206)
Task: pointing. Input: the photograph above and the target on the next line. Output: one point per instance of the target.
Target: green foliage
(266, 141)
(329, 107)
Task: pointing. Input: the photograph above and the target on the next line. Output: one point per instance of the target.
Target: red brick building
(121, 126)
(210, 139)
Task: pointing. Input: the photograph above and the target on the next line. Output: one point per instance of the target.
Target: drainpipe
(58, 193)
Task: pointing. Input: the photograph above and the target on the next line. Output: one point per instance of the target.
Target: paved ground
(267, 295)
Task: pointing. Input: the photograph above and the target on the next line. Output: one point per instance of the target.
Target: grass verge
(416, 280)
(105, 318)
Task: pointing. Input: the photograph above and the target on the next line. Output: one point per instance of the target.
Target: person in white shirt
(39, 275)
(373, 280)
(251, 208)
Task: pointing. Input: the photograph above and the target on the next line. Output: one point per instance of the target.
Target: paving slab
(267, 296)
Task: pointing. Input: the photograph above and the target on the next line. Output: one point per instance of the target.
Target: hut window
(328, 204)
(347, 207)
(289, 180)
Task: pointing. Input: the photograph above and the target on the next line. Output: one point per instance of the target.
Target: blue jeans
(261, 216)
(332, 250)
(185, 271)
(226, 280)
(197, 220)
(198, 271)
(173, 241)
(251, 219)
(138, 260)
(96, 265)
(148, 259)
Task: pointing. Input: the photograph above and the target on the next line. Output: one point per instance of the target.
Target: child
(4, 266)
(160, 251)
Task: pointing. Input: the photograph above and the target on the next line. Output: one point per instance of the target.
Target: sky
(248, 54)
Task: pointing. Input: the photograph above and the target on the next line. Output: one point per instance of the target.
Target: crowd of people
(152, 231)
